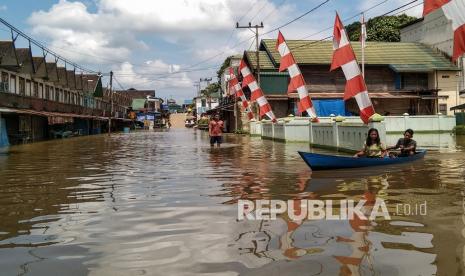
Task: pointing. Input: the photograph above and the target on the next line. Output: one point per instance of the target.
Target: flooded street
(164, 203)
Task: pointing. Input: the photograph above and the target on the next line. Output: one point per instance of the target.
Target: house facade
(39, 98)
(435, 30)
(401, 78)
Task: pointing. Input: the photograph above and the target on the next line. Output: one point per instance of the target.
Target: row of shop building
(41, 100)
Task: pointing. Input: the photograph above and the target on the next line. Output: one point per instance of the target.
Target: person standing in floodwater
(215, 130)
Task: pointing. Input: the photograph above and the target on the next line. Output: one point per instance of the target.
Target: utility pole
(257, 54)
(111, 102)
(256, 27)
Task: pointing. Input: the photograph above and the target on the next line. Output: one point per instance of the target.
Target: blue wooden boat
(319, 162)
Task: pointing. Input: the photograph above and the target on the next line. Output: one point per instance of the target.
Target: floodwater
(164, 203)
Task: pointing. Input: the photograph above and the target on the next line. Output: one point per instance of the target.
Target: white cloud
(153, 74)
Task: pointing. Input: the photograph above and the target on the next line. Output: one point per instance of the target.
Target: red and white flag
(344, 57)
(257, 93)
(363, 32)
(236, 88)
(297, 82)
(455, 11)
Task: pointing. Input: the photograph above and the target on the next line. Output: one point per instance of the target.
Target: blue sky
(151, 44)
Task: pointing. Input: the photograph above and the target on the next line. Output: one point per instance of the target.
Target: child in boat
(406, 145)
(373, 147)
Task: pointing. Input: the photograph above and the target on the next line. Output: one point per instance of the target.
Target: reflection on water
(164, 203)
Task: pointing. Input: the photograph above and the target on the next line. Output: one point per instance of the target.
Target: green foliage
(241, 131)
(203, 122)
(382, 28)
(210, 89)
(225, 65)
(459, 130)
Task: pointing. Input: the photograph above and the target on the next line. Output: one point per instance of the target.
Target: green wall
(274, 83)
(460, 117)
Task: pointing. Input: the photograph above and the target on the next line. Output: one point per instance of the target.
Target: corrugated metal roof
(416, 55)
(265, 61)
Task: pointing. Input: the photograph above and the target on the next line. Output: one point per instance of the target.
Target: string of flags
(257, 93)
(236, 88)
(344, 57)
(297, 82)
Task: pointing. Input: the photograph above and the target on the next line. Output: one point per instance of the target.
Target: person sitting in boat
(406, 145)
(373, 147)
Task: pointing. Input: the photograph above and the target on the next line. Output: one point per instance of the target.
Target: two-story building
(40, 99)
(401, 77)
(435, 30)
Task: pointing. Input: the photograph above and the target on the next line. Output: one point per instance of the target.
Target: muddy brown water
(164, 203)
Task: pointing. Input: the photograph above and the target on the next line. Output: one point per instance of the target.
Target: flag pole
(363, 42)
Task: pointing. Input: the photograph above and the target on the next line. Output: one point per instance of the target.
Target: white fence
(347, 135)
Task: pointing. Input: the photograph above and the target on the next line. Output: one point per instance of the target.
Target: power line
(299, 17)
(42, 47)
(401, 7)
(410, 8)
(259, 10)
(347, 19)
(329, 37)
(274, 10)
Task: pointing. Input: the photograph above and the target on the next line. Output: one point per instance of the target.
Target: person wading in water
(215, 130)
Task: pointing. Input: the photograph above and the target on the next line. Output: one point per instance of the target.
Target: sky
(169, 45)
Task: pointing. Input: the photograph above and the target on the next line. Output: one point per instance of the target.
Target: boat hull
(319, 162)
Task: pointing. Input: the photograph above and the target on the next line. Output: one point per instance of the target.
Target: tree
(381, 28)
(224, 66)
(209, 90)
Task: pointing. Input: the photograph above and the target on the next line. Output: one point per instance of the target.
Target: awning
(219, 108)
(373, 95)
(458, 107)
(56, 114)
(420, 68)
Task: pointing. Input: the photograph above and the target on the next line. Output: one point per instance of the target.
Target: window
(41, 90)
(4, 83)
(35, 90)
(204, 103)
(443, 108)
(411, 81)
(22, 86)
(57, 94)
(12, 84)
(52, 93)
(47, 92)
(28, 88)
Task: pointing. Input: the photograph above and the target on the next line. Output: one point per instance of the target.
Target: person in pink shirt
(215, 130)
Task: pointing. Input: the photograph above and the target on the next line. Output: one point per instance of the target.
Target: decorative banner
(257, 93)
(236, 87)
(344, 57)
(297, 82)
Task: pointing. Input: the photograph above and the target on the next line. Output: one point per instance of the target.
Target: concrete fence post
(406, 118)
(439, 121)
(335, 134)
(272, 132)
(310, 134)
